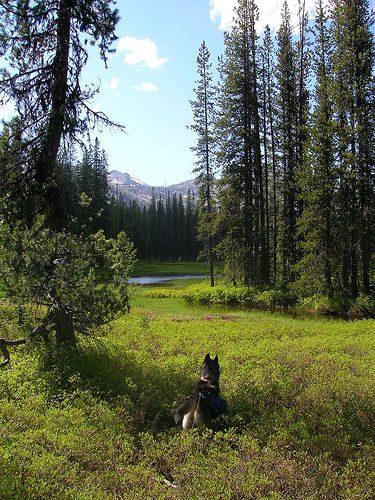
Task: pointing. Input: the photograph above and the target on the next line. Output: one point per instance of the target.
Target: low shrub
(239, 295)
(271, 299)
(161, 293)
(229, 295)
(317, 304)
(219, 294)
(340, 306)
(362, 307)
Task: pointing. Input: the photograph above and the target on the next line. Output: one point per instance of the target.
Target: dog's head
(211, 369)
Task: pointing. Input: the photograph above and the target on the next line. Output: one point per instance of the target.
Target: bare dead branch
(3, 348)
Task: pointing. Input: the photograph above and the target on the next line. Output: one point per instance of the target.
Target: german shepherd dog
(205, 403)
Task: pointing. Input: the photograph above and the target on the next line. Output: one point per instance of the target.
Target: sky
(150, 79)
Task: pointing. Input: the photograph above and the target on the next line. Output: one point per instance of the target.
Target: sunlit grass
(96, 423)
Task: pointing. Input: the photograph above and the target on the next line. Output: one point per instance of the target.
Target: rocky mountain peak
(131, 188)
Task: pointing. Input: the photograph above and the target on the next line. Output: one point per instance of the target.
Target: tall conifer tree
(353, 65)
(318, 222)
(203, 115)
(241, 197)
(269, 143)
(44, 44)
(287, 107)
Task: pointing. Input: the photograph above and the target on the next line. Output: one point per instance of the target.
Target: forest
(284, 153)
(284, 158)
(288, 130)
(166, 230)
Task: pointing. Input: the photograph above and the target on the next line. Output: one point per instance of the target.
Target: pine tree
(287, 144)
(93, 185)
(180, 236)
(190, 227)
(65, 174)
(203, 115)
(269, 145)
(303, 69)
(152, 227)
(160, 221)
(44, 45)
(353, 65)
(241, 193)
(99, 205)
(318, 222)
(174, 226)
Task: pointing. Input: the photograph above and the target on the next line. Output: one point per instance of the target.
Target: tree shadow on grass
(133, 383)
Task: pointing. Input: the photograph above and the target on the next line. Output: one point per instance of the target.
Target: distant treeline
(165, 230)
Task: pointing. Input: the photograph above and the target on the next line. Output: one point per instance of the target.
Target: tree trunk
(210, 262)
(50, 146)
(64, 327)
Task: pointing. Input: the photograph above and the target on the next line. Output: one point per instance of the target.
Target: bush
(271, 299)
(363, 307)
(161, 293)
(220, 294)
(55, 269)
(239, 295)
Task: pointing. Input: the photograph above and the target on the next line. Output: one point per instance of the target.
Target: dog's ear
(216, 359)
(207, 358)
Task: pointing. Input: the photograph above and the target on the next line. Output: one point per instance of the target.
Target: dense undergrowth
(272, 299)
(95, 423)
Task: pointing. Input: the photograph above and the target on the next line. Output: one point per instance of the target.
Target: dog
(205, 403)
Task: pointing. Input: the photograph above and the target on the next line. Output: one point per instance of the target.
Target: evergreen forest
(284, 149)
(166, 230)
(288, 131)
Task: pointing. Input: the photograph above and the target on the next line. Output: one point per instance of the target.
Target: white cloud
(140, 52)
(115, 82)
(269, 12)
(146, 87)
(222, 9)
(7, 111)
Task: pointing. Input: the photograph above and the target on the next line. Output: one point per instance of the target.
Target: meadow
(96, 423)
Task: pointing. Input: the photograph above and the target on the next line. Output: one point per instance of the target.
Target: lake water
(149, 280)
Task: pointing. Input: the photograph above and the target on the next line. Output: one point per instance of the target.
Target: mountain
(132, 188)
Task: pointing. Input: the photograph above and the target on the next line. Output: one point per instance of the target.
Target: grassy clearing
(96, 423)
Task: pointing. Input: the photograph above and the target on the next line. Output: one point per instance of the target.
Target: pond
(149, 280)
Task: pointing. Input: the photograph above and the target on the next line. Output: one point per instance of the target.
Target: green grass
(178, 307)
(95, 424)
(3, 290)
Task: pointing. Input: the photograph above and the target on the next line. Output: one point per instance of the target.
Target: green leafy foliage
(233, 295)
(55, 270)
(122, 260)
(162, 293)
